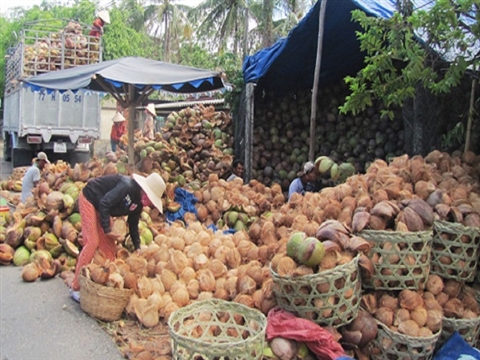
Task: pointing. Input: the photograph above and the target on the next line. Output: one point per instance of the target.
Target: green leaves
(396, 60)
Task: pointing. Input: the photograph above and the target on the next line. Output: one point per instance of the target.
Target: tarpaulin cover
(187, 201)
(289, 64)
(456, 348)
(130, 70)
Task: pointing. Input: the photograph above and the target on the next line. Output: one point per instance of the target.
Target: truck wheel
(79, 157)
(21, 157)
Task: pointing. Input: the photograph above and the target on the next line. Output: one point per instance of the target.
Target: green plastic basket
(457, 257)
(328, 298)
(216, 330)
(404, 263)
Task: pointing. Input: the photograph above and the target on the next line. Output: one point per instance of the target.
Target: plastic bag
(320, 341)
(456, 348)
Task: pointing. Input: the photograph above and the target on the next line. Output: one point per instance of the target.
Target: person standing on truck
(32, 176)
(113, 195)
(97, 27)
(118, 129)
(148, 126)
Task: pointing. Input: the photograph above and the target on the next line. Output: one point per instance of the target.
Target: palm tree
(168, 20)
(226, 21)
(136, 14)
(267, 23)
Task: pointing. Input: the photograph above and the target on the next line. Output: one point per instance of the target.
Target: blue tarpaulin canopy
(129, 80)
(130, 70)
(289, 64)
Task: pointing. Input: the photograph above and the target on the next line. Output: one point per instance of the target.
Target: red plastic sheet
(320, 341)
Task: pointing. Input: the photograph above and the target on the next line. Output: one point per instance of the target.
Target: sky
(5, 5)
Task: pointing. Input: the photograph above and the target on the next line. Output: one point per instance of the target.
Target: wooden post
(321, 25)
(470, 116)
(249, 122)
(131, 123)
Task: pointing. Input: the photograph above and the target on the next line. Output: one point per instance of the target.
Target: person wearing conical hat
(97, 27)
(148, 125)
(111, 196)
(118, 129)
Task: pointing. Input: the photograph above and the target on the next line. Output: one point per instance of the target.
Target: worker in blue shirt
(299, 185)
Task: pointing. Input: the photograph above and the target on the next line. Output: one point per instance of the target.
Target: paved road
(39, 320)
(5, 167)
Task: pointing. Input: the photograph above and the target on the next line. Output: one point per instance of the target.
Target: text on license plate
(59, 147)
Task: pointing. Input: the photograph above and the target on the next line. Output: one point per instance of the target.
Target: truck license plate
(59, 147)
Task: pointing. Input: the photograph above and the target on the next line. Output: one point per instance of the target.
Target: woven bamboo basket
(102, 302)
(469, 329)
(455, 251)
(217, 329)
(328, 298)
(401, 259)
(392, 345)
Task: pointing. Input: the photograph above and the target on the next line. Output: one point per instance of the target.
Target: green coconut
(37, 254)
(239, 225)
(145, 218)
(70, 248)
(51, 241)
(73, 191)
(74, 218)
(32, 233)
(181, 180)
(334, 172)
(30, 244)
(71, 261)
(56, 250)
(346, 170)
(146, 236)
(310, 252)
(243, 217)
(325, 165)
(21, 256)
(294, 242)
(68, 201)
(231, 218)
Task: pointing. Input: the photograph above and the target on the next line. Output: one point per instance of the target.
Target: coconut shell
(384, 315)
(377, 223)
(409, 328)
(453, 309)
(383, 209)
(434, 284)
(423, 189)
(434, 320)
(30, 272)
(413, 221)
(410, 300)
(423, 210)
(360, 221)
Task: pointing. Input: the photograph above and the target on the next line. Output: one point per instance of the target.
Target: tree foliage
(120, 40)
(428, 47)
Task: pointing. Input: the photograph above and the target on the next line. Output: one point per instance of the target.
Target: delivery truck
(62, 124)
